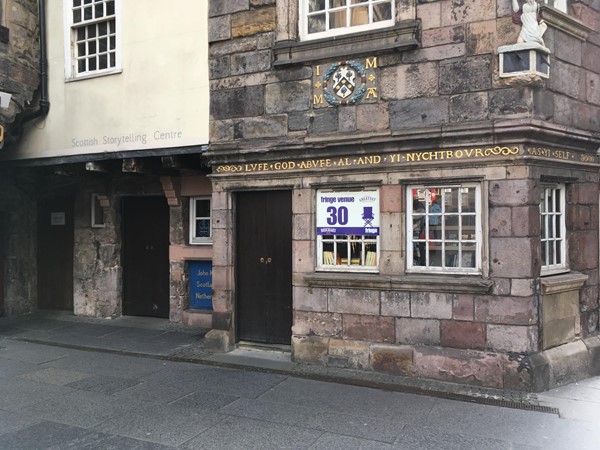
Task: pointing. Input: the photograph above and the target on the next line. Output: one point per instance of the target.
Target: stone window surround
(564, 22)
(290, 50)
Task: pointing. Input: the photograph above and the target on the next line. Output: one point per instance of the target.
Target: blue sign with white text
(200, 284)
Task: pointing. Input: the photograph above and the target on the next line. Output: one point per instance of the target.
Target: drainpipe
(44, 105)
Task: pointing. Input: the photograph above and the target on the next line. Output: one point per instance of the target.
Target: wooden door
(145, 256)
(55, 253)
(264, 266)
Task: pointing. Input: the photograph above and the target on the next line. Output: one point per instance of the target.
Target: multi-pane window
(348, 230)
(200, 220)
(322, 18)
(94, 37)
(553, 242)
(444, 228)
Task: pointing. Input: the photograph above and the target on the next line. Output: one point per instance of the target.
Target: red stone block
(463, 307)
(463, 334)
(369, 328)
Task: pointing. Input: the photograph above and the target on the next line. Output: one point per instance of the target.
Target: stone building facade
(19, 81)
(386, 197)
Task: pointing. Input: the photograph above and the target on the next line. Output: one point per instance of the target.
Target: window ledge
(403, 36)
(572, 281)
(565, 23)
(441, 283)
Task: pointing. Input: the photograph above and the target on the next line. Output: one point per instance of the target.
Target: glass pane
(76, 2)
(92, 50)
(468, 228)
(451, 228)
(91, 31)
(87, 1)
(316, 5)
(356, 252)
(81, 49)
(98, 10)
(544, 260)
(558, 252)
(435, 254)
(203, 228)
(110, 8)
(102, 29)
(92, 64)
(103, 44)
(316, 24)
(113, 42)
(342, 252)
(112, 27)
(452, 259)
(468, 256)
(381, 12)
(359, 16)
(468, 199)
(337, 20)
(81, 66)
(451, 200)
(337, 3)
(113, 60)
(202, 208)
(87, 13)
(370, 255)
(551, 252)
(76, 16)
(328, 258)
(103, 61)
(557, 200)
(80, 34)
(354, 2)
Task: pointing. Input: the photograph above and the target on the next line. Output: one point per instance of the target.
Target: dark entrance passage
(145, 256)
(55, 253)
(2, 256)
(264, 266)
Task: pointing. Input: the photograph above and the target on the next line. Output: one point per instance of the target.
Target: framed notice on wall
(348, 213)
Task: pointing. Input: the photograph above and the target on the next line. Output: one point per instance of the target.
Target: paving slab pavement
(125, 382)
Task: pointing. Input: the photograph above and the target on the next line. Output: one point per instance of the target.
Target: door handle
(264, 260)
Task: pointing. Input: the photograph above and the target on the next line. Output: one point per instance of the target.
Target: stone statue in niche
(527, 14)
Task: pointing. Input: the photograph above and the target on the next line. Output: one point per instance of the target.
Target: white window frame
(561, 5)
(95, 202)
(71, 71)
(304, 13)
(551, 238)
(194, 240)
(460, 241)
(357, 240)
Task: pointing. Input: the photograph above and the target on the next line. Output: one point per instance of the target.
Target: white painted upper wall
(159, 100)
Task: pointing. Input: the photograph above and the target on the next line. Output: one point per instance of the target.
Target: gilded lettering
(318, 69)
(478, 153)
(410, 157)
(318, 99)
(371, 63)
(344, 162)
(371, 93)
(458, 154)
(469, 152)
